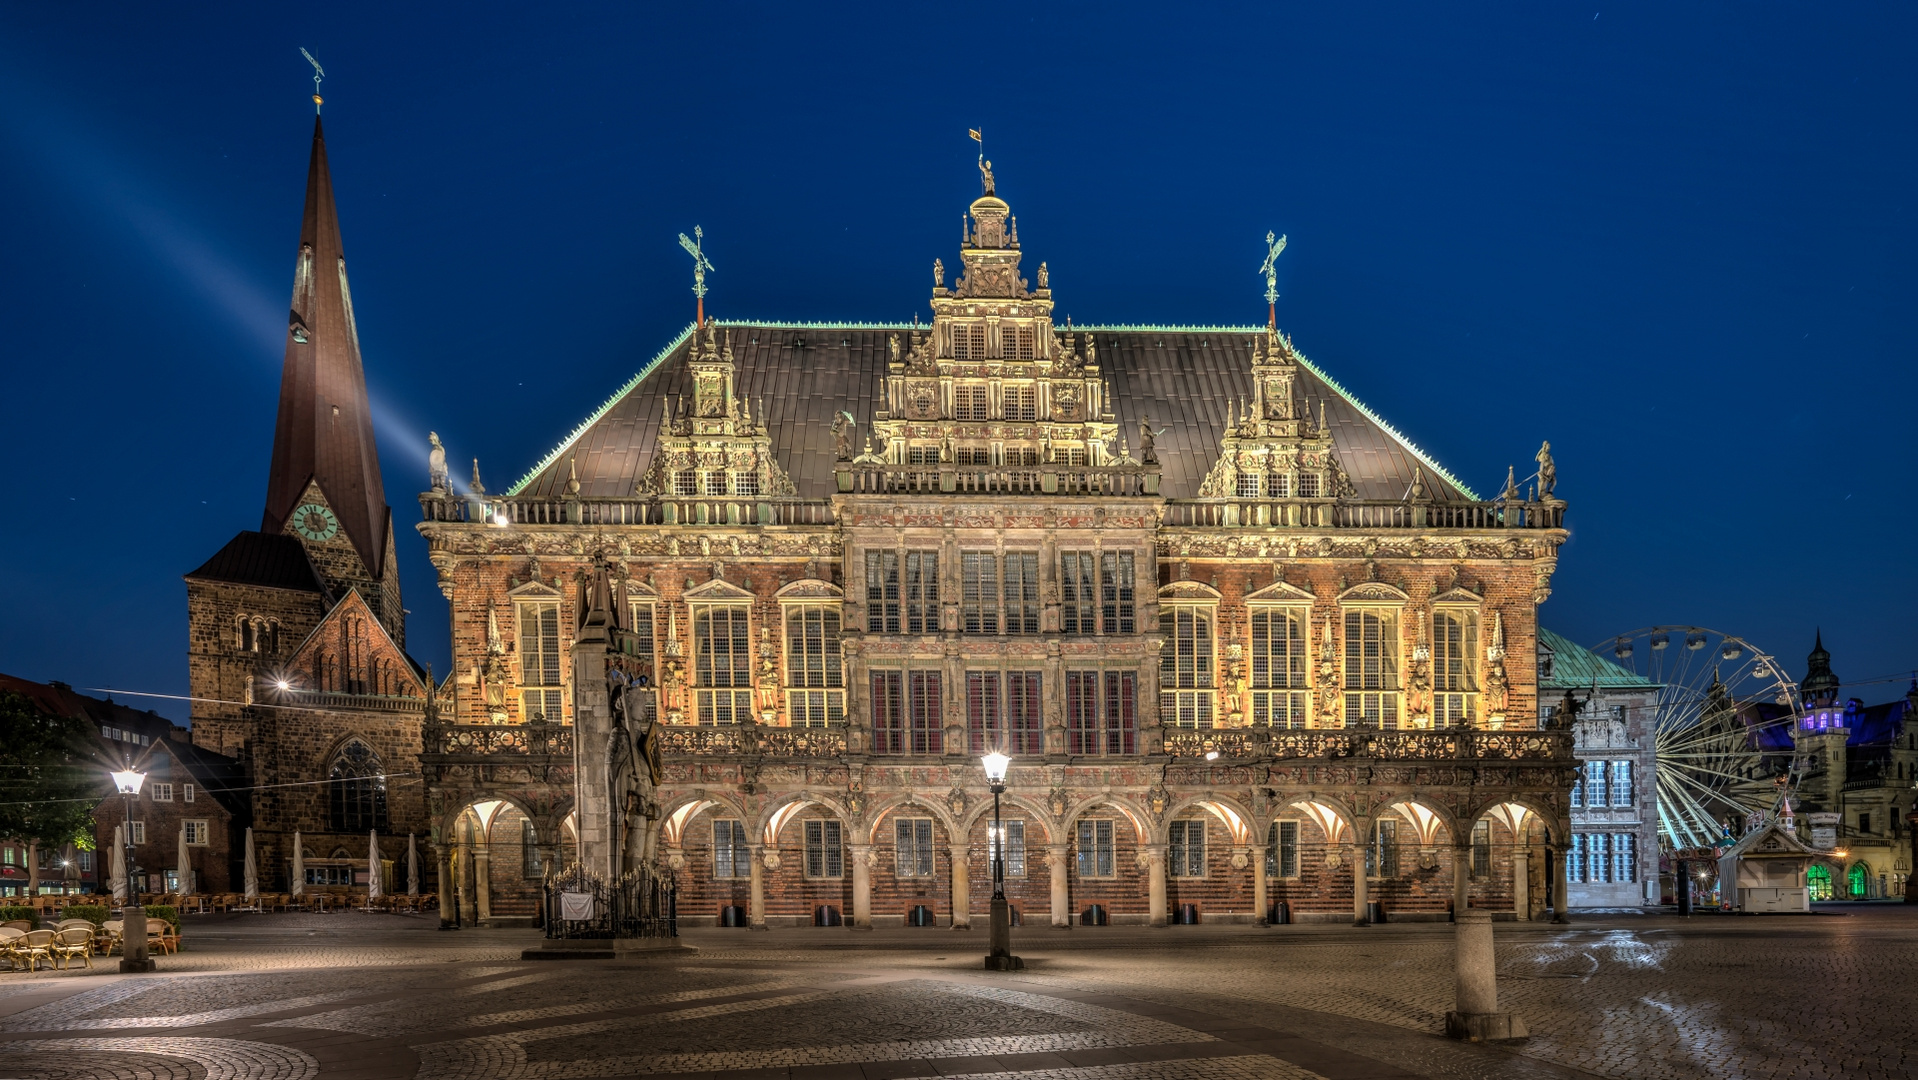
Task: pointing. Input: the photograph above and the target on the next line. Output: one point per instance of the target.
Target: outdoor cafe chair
(36, 946)
(111, 933)
(10, 937)
(71, 942)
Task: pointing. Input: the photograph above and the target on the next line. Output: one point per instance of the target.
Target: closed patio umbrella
(252, 872)
(117, 876)
(186, 863)
(373, 891)
(299, 867)
(412, 865)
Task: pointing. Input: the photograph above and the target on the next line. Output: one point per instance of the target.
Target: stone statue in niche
(436, 463)
(1547, 471)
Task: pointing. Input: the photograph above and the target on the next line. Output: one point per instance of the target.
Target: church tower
(323, 486)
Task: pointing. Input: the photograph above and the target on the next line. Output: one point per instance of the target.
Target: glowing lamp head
(996, 765)
(284, 685)
(128, 781)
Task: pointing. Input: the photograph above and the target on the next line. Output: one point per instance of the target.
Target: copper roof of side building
(798, 377)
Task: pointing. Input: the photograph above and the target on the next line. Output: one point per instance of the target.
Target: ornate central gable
(709, 444)
(1272, 448)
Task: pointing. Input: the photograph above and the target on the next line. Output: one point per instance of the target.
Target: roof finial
(1274, 244)
(985, 167)
(700, 266)
(318, 74)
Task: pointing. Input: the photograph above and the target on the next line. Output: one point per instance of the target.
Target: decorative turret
(711, 446)
(1820, 686)
(1271, 448)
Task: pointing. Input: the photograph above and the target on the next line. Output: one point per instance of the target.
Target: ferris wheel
(1721, 718)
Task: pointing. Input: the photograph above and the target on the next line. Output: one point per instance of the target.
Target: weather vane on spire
(318, 74)
(700, 266)
(1273, 244)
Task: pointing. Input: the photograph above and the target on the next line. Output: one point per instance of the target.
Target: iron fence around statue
(581, 904)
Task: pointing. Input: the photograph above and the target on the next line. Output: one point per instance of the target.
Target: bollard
(133, 940)
(1477, 1017)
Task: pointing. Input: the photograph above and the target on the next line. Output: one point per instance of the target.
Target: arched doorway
(1858, 881)
(1818, 879)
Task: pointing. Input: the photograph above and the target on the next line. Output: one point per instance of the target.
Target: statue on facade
(938, 274)
(842, 436)
(1045, 277)
(892, 346)
(1547, 471)
(945, 449)
(985, 175)
(1092, 350)
(436, 463)
(1147, 437)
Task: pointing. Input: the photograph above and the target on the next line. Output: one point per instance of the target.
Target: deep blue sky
(1676, 239)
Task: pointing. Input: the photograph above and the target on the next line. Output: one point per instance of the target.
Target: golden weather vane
(700, 265)
(1273, 245)
(318, 74)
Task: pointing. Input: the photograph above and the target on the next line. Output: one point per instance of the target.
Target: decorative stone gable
(710, 445)
(1272, 449)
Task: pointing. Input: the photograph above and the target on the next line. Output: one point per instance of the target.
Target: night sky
(1675, 239)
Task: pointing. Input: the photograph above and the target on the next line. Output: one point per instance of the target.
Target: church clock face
(315, 522)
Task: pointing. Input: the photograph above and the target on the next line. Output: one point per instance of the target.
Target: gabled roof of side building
(797, 376)
(1575, 667)
(272, 560)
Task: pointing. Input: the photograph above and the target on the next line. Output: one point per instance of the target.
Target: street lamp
(999, 943)
(133, 949)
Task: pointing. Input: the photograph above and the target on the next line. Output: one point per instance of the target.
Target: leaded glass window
(1279, 667)
(541, 691)
(815, 694)
(1372, 668)
(1185, 667)
(722, 665)
(356, 789)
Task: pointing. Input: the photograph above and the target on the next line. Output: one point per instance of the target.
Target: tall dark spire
(325, 429)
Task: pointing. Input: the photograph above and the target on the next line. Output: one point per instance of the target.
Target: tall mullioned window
(1078, 593)
(922, 592)
(1185, 667)
(979, 595)
(1185, 856)
(1454, 667)
(1100, 712)
(1372, 668)
(1020, 588)
(731, 857)
(1279, 667)
(825, 856)
(912, 847)
(1282, 849)
(643, 639)
(1118, 593)
(1096, 854)
(882, 592)
(1622, 786)
(1382, 855)
(1014, 843)
(816, 693)
(539, 660)
(722, 665)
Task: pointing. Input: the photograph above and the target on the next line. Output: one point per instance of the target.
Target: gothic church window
(722, 665)
(1372, 668)
(541, 686)
(1454, 667)
(731, 857)
(825, 856)
(912, 847)
(1278, 666)
(356, 790)
(815, 695)
(1186, 853)
(1185, 667)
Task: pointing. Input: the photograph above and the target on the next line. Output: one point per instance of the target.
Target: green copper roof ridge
(603, 409)
(1387, 428)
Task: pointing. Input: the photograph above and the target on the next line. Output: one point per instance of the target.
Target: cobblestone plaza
(353, 995)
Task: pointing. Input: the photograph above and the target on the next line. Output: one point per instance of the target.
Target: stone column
(1261, 904)
(482, 882)
(961, 887)
(1461, 877)
(861, 888)
(1561, 902)
(1476, 1016)
(1521, 884)
(1362, 830)
(445, 860)
(1911, 879)
(757, 913)
(1057, 855)
(592, 740)
(33, 876)
(1155, 869)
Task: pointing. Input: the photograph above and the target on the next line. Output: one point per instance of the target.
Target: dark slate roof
(1576, 667)
(275, 560)
(1867, 726)
(799, 376)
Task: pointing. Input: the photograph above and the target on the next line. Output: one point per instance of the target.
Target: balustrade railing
(666, 510)
(1447, 744)
(950, 479)
(1333, 514)
(327, 699)
(499, 740)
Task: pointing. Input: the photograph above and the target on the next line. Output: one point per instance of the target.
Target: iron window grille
(1186, 684)
(912, 847)
(1186, 852)
(1279, 667)
(722, 665)
(542, 692)
(731, 857)
(825, 855)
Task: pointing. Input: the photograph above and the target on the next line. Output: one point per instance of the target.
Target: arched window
(1819, 879)
(1857, 881)
(247, 643)
(357, 790)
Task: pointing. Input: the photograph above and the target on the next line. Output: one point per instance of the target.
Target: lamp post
(133, 942)
(999, 942)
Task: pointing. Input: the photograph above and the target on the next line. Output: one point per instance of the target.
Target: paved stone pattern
(1642, 997)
